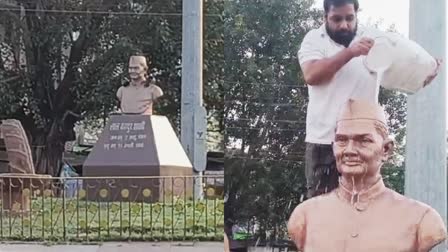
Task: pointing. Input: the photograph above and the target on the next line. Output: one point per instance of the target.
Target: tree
(265, 110)
(62, 61)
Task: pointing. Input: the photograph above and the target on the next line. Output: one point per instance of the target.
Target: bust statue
(361, 214)
(139, 95)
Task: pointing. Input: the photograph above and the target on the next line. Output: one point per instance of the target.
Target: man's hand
(434, 74)
(361, 47)
(321, 71)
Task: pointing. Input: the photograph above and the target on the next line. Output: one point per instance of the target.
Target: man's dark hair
(339, 3)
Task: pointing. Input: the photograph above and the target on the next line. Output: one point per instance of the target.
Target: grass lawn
(57, 219)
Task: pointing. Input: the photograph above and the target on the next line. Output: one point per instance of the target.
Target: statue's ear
(388, 149)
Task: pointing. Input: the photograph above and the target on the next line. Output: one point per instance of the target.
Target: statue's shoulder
(415, 209)
(153, 87)
(316, 201)
(151, 83)
(400, 199)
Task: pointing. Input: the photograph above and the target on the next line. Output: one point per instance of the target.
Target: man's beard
(341, 37)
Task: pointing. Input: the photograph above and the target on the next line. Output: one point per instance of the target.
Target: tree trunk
(48, 155)
(48, 147)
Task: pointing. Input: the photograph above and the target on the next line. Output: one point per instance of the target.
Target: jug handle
(393, 42)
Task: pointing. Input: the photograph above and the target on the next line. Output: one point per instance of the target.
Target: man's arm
(317, 72)
(320, 71)
(433, 75)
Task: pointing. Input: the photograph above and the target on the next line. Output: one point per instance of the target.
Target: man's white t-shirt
(353, 80)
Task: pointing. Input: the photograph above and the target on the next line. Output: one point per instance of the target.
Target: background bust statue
(362, 214)
(138, 96)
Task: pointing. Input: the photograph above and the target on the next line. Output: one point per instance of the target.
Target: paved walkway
(116, 247)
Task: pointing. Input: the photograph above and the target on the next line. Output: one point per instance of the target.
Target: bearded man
(331, 59)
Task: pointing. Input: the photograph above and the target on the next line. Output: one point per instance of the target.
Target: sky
(396, 13)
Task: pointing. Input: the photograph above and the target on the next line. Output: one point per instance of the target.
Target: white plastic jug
(400, 63)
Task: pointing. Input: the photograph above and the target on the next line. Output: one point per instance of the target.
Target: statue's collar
(360, 200)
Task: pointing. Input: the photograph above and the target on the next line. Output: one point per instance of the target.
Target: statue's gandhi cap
(138, 60)
(362, 110)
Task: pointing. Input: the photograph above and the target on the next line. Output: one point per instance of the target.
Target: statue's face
(359, 148)
(136, 71)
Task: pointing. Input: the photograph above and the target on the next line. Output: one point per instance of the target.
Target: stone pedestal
(143, 149)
